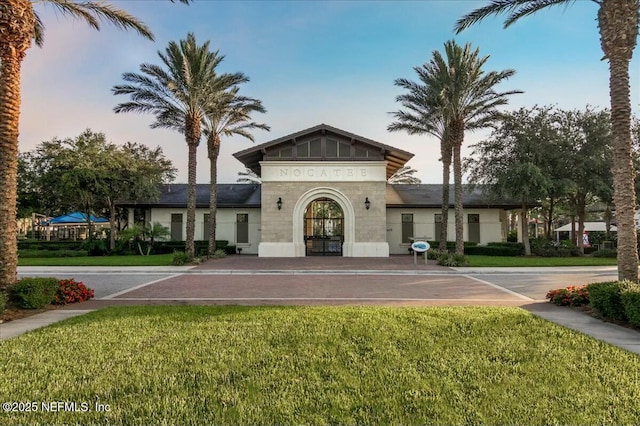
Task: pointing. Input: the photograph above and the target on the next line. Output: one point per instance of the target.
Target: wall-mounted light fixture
(367, 203)
(279, 203)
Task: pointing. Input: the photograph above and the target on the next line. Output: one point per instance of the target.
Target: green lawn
(153, 260)
(521, 261)
(318, 365)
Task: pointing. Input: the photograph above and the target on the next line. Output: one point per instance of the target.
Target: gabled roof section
(375, 151)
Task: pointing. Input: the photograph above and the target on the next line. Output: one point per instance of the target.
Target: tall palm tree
(404, 176)
(469, 101)
(618, 23)
(176, 95)
(226, 114)
(19, 26)
(458, 89)
(423, 115)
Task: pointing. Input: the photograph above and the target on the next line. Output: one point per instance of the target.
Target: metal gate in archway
(323, 228)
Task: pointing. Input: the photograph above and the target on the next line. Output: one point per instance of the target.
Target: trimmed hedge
(3, 301)
(606, 298)
(202, 246)
(631, 302)
(34, 293)
(611, 253)
(496, 249)
(28, 253)
(50, 245)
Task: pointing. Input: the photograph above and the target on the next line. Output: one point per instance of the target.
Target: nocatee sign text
(281, 171)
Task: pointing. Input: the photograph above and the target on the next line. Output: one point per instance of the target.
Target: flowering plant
(72, 291)
(570, 296)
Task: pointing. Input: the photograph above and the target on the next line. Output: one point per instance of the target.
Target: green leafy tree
(19, 26)
(510, 163)
(618, 24)
(176, 93)
(588, 157)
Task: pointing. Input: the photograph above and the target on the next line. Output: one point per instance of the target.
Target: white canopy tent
(588, 227)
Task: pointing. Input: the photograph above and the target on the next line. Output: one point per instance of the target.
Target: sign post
(420, 247)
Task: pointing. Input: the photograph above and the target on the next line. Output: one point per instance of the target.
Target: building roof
(396, 158)
(230, 195)
(430, 195)
(238, 195)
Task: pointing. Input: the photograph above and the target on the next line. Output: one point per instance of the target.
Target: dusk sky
(310, 62)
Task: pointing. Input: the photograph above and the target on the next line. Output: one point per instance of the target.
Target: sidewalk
(316, 271)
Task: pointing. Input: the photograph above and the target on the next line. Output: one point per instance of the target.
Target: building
(324, 191)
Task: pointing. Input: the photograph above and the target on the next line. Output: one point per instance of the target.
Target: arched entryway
(299, 219)
(323, 228)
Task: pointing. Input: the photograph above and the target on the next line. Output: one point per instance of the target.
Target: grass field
(522, 261)
(153, 260)
(317, 365)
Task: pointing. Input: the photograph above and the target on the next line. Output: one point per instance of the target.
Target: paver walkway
(249, 280)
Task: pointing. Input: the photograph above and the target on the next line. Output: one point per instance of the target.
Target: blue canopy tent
(73, 225)
(74, 218)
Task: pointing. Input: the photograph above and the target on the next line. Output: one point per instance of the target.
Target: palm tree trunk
(581, 210)
(112, 224)
(213, 146)
(190, 246)
(446, 171)
(457, 137)
(524, 227)
(16, 26)
(618, 24)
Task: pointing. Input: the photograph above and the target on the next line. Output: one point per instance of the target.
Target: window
(407, 227)
(331, 148)
(344, 150)
(176, 227)
(438, 226)
(242, 228)
(314, 148)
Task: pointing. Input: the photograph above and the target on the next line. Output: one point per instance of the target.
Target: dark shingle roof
(229, 195)
(232, 195)
(430, 195)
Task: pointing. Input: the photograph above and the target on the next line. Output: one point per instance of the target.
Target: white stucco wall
(226, 224)
(424, 226)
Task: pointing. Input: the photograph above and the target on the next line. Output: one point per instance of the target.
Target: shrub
(219, 254)
(230, 249)
(31, 253)
(72, 291)
(34, 293)
(631, 303)
(605, 253)
(3, 301)
(181, 258)
(49, 245)
(496, 250)
(95, 247)
(452, 260)
(605, 298)
(570, 296)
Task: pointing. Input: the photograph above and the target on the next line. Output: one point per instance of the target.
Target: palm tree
(422, 115)
(404, 176)
(248, 176)
(618, 22)
(457, 88)
(226, 114)
(19, 25)
(177, 95)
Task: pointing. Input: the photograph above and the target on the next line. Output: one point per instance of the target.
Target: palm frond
(515, 9)
(93, 12)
